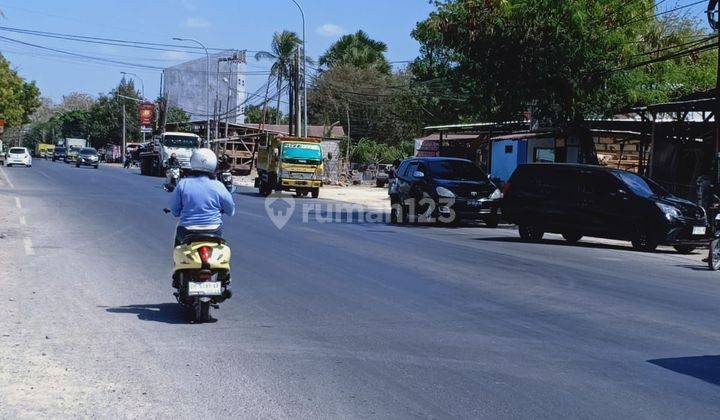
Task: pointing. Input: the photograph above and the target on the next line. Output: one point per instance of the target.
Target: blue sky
(239, 24)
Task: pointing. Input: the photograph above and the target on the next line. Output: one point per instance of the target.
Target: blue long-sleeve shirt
(197, 201)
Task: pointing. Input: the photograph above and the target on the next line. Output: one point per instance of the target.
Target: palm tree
(284, 45)
(357, 50)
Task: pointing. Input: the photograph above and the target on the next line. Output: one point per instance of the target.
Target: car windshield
(302, 151)
(456, 170)
(640, 185)
(88, 151)
(187, 142)
(17, 150)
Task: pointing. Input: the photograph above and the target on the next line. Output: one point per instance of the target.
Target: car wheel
(315, 192)
(644, 241)
(530, 233)
(684, 249)
(77, 165)
(572, 237)
(714, 255)
(493, 221)
(96, 166)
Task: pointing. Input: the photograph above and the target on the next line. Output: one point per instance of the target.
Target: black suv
(88, 157)
(446, 190)
(584, 200)
(59, 154)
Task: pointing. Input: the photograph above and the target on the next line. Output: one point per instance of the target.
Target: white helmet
(203, 160)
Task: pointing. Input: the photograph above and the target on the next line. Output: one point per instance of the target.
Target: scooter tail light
(205, 252)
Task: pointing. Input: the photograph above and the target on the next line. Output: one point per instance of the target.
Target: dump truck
(44, 150)
(290, 164)
(154, 156)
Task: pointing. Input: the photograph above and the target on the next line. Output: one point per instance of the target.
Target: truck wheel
(315, 192)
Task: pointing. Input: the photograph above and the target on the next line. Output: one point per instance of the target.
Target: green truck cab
(290, 164)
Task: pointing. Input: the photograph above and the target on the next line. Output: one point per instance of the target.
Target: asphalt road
(336, 320)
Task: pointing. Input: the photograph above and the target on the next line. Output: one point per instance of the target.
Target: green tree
(18, 99)
(107, 112)
(381, 106)
(562, 60)
(178, 115)
(253, 114)
(283, 49)
(358, 50)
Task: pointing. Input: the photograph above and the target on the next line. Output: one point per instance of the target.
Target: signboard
(2, 125)
(146, 113)
(146, 129)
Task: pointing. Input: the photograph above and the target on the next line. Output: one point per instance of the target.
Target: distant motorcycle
(173, 177)
(227, 180)
(201, 272)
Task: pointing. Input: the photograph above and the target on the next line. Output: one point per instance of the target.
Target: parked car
(447, 189)
(19, 156)
(88, 157)
(59, 154)
(584, 200)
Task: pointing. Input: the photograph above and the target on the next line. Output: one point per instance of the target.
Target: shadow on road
(705, 368)
(168, 313)
(560, 242)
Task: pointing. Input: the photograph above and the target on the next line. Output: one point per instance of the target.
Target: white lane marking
(17, 203)
(43, 174)
(6, 178)
(29, 247)
(23, 221)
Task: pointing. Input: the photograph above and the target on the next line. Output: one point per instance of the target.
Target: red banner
(146, 112)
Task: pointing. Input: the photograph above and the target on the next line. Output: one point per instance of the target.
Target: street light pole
(142, 84)
(207, 86)
(304, 78)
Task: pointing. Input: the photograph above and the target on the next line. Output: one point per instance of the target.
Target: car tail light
(506, 188)
(205, 253)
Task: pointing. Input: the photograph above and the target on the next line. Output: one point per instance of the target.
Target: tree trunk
(279, 95)
(579, 129)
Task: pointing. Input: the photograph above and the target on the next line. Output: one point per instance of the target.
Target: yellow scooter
(201, 272)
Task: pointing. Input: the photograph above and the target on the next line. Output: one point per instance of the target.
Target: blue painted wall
(506, 156)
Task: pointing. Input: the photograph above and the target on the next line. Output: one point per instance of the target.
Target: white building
(185, 86)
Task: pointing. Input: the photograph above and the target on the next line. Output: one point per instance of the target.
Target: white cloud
(175, 55)
(189, 5)
(196, 23)
(330, 30)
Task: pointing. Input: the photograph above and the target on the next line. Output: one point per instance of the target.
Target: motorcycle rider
(198, 200)
(173, 162)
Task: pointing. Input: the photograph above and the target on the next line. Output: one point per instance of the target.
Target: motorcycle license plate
(698, 230)
(207, 288)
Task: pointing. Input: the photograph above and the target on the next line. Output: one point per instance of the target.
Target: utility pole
(349, 142)
(304, 73)
(298, 106)
(713, 21)
(124, 142)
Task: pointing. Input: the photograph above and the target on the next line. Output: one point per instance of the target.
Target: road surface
(336, 320)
